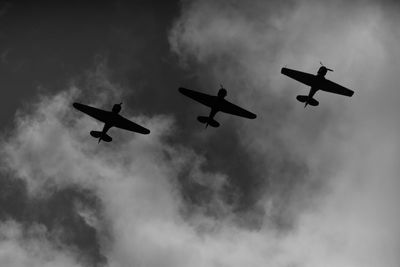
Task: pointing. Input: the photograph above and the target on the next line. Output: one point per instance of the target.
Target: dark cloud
(46, 44)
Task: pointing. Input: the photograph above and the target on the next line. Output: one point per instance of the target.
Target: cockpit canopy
(117, 108)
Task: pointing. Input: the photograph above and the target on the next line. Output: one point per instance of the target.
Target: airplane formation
(216, 103)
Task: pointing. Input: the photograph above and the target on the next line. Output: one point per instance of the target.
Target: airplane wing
(126, 124)
(299, 76)
(204, 99)
(335, 88)
(230, 108)
(96, 113)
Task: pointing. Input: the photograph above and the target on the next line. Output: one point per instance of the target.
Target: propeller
(325, 67)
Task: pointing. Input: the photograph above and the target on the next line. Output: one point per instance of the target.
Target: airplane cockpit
(117, 108)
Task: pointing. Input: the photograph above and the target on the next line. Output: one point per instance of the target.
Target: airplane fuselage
(319, 77)
(106, 127)
(115, 110)
(215, 107)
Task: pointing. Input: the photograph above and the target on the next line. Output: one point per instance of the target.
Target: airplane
(110, 119)
(216, 103)
(316, 82)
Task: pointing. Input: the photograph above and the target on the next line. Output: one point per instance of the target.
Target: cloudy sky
(295, 187)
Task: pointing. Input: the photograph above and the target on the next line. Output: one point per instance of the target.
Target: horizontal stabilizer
(106, 138)
(95, 134)
(208, 120)
(313, 102)
(302, 98)
(310, 101)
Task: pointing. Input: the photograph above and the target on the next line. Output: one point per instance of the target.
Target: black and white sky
(295, 187)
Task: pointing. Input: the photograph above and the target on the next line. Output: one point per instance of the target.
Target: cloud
(30, 247)
(340, 207)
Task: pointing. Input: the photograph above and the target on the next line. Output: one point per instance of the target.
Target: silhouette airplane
(317, 82)
(110, 119)
(216, 103)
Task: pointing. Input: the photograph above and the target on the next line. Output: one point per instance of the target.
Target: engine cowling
(222, 93)
(117, 108)
(322, 71)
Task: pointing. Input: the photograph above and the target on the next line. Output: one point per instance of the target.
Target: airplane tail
(95, 134)
(101, 136)
(208, 121)
(308, 101)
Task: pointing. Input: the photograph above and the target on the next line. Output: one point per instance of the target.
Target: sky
(295, 187)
